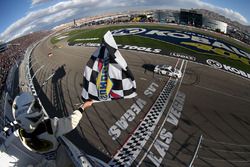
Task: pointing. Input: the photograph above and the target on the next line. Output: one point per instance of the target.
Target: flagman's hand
(86, 104)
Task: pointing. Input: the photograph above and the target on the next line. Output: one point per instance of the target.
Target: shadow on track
(59, 108)
(57, 92)
(148, 67)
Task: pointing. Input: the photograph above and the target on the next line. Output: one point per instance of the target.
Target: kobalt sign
(128, 31)
(190, 40)
(218, 65)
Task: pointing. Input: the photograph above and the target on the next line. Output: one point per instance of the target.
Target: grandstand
(15, 52)
(3, 46)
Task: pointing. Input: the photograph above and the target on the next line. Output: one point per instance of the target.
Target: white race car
(167, 70)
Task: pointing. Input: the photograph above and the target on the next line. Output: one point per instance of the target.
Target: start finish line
(133, 146)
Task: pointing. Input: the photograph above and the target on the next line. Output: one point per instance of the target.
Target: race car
(167, 70)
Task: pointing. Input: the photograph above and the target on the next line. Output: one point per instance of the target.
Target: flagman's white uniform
(60, 126)
(41, 136)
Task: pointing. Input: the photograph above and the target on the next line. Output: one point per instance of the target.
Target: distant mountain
(219, 17)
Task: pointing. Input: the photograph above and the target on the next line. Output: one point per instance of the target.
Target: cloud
(35, 2)
(177, 4)
(51, 16)
(229, 13)
(69, 9)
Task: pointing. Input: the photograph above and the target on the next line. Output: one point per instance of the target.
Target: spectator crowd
(14, 52)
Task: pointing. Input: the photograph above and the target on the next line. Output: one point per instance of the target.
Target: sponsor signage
(138, 48)
(209, 62)
(103, 82)
(182, 56)
(128, 47)
(191, 40)
(217, 65)
(129, 31)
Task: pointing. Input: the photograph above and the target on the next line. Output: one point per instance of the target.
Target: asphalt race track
(206, 102)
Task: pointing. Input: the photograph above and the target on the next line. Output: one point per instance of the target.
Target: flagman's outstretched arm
(67, 124)
(85, 105)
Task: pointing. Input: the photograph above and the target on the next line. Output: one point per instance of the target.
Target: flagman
(40, 135)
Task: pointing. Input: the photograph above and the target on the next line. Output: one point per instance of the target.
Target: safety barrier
(28, 76)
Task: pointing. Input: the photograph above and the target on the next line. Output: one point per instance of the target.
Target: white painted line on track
(156, 136)
(182, 64)
(177, 63)
(222, 93)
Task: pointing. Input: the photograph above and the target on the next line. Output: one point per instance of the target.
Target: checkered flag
(106, 75)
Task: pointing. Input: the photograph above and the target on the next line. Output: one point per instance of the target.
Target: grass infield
(153, 43)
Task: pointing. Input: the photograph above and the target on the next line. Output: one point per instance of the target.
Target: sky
(20, 17)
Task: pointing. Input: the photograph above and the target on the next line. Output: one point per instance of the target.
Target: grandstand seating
(14, 52)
